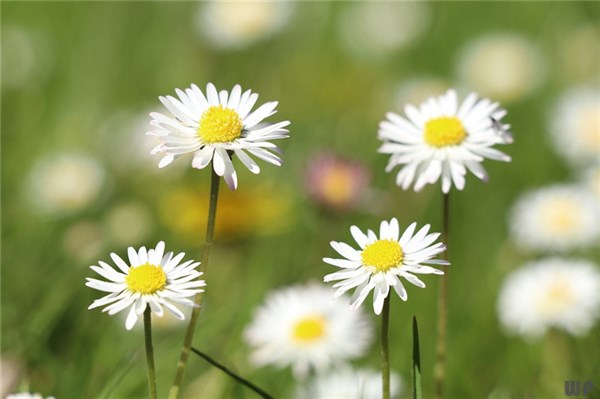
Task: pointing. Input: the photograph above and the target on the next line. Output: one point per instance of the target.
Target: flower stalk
(187, 344)
(442, 316)
(385, 354)
(149, 353)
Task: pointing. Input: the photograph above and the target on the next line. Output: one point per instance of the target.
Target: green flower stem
(189, 335)
(149, 352)
(385, 353)
(442, 315)
(236, 377)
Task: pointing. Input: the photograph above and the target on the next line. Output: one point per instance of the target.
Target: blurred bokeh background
(78, 82)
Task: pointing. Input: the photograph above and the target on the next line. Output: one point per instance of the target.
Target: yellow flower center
(337, 186)
(146, 279)
(557, 298)
(220, 125)
(309, 329)
(444, 131)
(560, 216)
(382, 255)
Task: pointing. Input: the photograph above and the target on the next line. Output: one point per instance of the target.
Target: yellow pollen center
(146, 279)
(556, 299)
(337, 186)
(560, 216)
(382, 255)
(220, 125)
(309, 329)
(444, 131)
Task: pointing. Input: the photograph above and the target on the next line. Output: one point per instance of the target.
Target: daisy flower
(381, 261)
(151, 278)
(441, 139)
(556, 218)
(347, 383)
(575, 127)
(215, 127)
(554, 292)
(303, 327)
(27, 395)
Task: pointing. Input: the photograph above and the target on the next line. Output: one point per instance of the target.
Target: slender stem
(442, 319)
(385, 353)
(236, 377)
(149, 352)
(189, 335)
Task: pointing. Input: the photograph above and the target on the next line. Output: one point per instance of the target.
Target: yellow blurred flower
(243, 213)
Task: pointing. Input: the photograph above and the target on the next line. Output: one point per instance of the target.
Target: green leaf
(416, 363)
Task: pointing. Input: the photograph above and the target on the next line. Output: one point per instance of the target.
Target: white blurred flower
(553, 292)
(417, 90)
(381, 261)
(377, 28)
(303, 327)
(591, 179)
(10, 370)
(442, 139)
(575, 125)
(27, 395)
(129, 223)
(64, 183)
(556, 218)
(232, 25)
(502, 66)
(347, 383)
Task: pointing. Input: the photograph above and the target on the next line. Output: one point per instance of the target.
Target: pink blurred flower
(336, 183)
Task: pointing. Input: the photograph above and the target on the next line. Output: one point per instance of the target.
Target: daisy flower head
(303, 327)
(27, 395)
(442, 140)
(348, 383)
(554, 292)
(216, 126)
(557, 218)
(151, 278)
(380, 261)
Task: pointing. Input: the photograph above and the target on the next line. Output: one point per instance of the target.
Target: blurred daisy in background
(417, 90)
(370, 29)
(554, 292)
(64, 183)
(556, 218)
(575, 125)
(347, 383)
(216, 127)
(27, 395)
(234, 25)
(183, 210)
(506, 67)
(303, 327)
(381, 261)
(10, 371)
(441, 140)
(591, 179)
(336, 183)
(129, 222)
(152, 278)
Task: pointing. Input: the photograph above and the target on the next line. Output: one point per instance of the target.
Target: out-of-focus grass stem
(442, 315)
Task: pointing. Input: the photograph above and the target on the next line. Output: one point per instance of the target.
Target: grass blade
(416, 363)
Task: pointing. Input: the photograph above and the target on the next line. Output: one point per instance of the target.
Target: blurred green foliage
(97, 60)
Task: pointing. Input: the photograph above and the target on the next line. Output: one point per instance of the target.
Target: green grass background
(120, 56)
